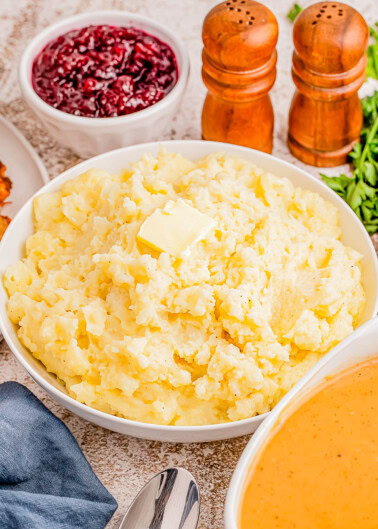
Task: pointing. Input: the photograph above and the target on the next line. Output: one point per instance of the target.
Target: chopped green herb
(360, 190)
(294, 12)
(372, 54)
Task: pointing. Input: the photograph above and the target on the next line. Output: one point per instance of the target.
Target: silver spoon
(170, 500)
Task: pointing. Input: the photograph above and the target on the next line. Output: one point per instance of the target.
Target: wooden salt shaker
(329, 63)
(239, 69)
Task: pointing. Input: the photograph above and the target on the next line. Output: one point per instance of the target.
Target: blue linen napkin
(45, 480)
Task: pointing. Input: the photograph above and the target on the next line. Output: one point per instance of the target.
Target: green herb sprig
(360, 190)
(294, 12)
(372, 54)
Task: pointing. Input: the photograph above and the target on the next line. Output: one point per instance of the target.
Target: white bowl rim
(124, 17)
(299, 389)
(73, 403)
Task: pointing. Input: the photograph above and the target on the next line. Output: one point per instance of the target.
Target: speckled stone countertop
(122, 463)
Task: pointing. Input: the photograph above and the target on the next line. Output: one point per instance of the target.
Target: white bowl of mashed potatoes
(177, 291)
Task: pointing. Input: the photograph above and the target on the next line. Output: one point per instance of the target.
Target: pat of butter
(175, 229)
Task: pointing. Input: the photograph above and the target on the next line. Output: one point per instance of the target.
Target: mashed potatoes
(219, 333)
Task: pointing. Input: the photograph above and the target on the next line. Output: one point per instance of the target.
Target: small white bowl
(91, 136)
(359, 346)
(13, 244)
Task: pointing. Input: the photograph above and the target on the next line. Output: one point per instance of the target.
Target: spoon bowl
(170, 500)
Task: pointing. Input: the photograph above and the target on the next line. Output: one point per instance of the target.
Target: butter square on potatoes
(176, 228)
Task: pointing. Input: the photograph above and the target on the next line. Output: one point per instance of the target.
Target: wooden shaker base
(319, 158)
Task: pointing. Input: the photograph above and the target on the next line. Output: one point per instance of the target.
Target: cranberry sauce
(104, 71)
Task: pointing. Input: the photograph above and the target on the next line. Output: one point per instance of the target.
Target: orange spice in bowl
(318, 467)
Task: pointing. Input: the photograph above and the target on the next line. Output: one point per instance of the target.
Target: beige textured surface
(122, 463)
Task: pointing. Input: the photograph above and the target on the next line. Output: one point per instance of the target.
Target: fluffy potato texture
(217, 335)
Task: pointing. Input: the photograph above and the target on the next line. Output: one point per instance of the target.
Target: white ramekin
(359, 346)
(12, 248)
(91, 136)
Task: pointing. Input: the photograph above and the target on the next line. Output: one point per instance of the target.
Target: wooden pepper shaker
(239, 69)
(329, 63)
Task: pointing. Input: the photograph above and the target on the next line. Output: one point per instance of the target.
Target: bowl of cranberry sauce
(100, 81)
(104, 71)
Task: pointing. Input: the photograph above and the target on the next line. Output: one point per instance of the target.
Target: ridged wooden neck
(328, 87)
(241, 85)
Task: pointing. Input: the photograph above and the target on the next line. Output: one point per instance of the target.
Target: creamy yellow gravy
(319, 467)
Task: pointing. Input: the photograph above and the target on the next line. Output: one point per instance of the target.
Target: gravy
(318, 468)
